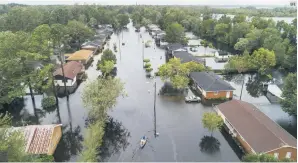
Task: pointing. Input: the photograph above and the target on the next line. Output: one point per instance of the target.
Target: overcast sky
(153, 2)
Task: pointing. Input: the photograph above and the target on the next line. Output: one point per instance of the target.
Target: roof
(175, 46)
(94, 43)
(80, 55)
(257, 129)
(210, 82)
(37, 137)
(71, 69)
(186, 57)
(274, 89)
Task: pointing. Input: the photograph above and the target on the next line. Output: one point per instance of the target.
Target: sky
(153, 2)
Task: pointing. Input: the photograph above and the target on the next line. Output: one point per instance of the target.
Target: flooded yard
(181, 133)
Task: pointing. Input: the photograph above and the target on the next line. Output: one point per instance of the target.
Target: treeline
(235, 34)
(253, 11)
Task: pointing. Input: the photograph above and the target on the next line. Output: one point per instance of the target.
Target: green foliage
(178, 73)
(175, 33)
(78, 31)
(263, 60)
(48, 102)
(147, 65)
(106, 67)
(146, 60)
(289, 93)
(108, 55)
(262, 158)
(149, 69)
(123, 19)
(98, 97)
(212, 121)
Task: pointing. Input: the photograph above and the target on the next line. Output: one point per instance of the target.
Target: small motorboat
(143, 142)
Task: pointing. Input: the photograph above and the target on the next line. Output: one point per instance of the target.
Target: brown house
(211, 86)
(71, 71)
(41, 139)
(255, 131)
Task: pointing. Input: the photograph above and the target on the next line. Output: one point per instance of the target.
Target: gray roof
(186, 57)
(175, 46)
(211, 82)
(93, 43)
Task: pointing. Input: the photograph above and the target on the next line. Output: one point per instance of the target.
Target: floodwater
(181, 133)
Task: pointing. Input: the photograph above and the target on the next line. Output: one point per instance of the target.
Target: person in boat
(143, 140)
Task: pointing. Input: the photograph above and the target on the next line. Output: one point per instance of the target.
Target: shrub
(48, 102)
(146, 60)
(149, 69)
(147, 65)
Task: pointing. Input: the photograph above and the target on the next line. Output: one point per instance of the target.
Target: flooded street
(181, 133)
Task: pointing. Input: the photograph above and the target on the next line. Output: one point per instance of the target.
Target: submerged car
(192, 99)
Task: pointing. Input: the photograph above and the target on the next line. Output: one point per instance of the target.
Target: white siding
(68, 83)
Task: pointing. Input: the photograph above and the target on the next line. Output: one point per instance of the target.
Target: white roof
(274, 89)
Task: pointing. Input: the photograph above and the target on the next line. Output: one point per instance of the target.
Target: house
(71, 70)
(175, 47)
(255, 131)
(185, 57)
(83, 56)
(211, 86)
(40, 139)
(95, 45)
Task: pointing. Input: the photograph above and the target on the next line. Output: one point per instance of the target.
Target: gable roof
(80, 55)
(257, 129)
(37, 137)
(186, 57)
(211, 82)
(71, 69)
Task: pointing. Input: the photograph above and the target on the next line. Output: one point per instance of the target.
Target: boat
(143, 142)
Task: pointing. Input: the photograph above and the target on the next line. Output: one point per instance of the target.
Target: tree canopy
(212, 121)
(289, 93)
(175, 34)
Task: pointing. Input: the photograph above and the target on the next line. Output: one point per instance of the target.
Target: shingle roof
(175, 46)
(80, 55)
(211, 82)
(71, 69)
(186, 57)
(37, 138)
(257, 129)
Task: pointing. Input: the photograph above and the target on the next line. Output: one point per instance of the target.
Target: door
(228, 94)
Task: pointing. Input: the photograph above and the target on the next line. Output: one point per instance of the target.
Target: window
(288, 155)
(276, 155)
(216, 93)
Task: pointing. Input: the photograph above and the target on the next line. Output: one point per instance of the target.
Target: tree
(108, 55)
(242, 44)
(78, 32)
(93, 22)
(123, 19)
(98, 97)
(175, 33)
(106, 67)
(239, 18)
(212, 121)
(239, 30)
(221, 32)
(263, 60)
(262, 158)
(177, 72)
(289, 94)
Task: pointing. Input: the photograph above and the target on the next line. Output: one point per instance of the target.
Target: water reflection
(209, 144)
(255, 85)
(115, 139)
(70, 143)
(168, 90)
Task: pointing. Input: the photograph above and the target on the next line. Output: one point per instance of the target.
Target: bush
(147, 65)
(149, 69)
(48, 102)
(146, 60)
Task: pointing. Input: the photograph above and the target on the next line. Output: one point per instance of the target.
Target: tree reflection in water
(69, 145)
(255, 85)
(168, 90)
(114, 139)
(209, 144)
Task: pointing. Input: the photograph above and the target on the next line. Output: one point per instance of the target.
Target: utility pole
(155, 108)
(143, 49)
(64, 79)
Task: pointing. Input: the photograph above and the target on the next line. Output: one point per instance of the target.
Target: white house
(71, 70)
